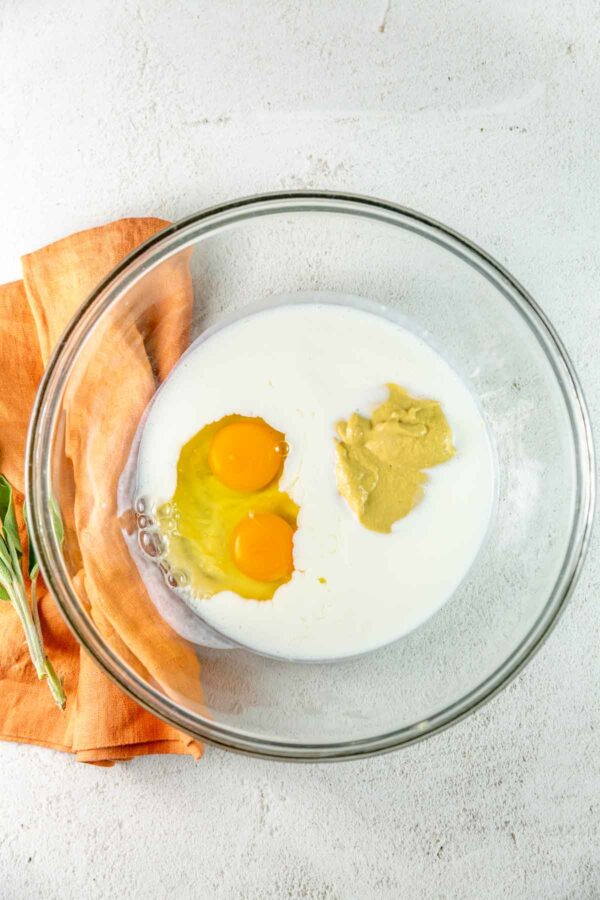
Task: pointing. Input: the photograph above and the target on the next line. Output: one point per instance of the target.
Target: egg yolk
(262, 547)
(246, 455)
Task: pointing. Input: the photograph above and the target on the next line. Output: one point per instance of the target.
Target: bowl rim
(38, 487)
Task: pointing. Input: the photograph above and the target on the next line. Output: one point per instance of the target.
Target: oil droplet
(168, 525)
(322, 581)
(181, 578)
(151, 543)
(283, 448)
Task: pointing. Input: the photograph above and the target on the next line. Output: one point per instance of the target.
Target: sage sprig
(12, 586)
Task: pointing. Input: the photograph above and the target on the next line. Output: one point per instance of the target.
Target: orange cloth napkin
(100, 723)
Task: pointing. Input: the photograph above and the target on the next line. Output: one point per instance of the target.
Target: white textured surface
(485, 115)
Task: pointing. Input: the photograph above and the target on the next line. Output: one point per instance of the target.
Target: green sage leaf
(59, 533)
(32, 563)
(8, 518)
(59, 530)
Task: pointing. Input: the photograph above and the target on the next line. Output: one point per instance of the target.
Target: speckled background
(485, 115)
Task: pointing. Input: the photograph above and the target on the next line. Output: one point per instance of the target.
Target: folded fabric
(100, 724)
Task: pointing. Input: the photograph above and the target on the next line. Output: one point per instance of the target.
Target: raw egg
(228, 525)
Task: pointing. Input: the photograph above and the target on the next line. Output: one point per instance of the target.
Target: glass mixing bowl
(465, 304)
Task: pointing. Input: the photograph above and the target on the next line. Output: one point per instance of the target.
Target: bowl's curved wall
(489, 329)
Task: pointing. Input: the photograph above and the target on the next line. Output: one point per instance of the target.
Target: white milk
(302, 367)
